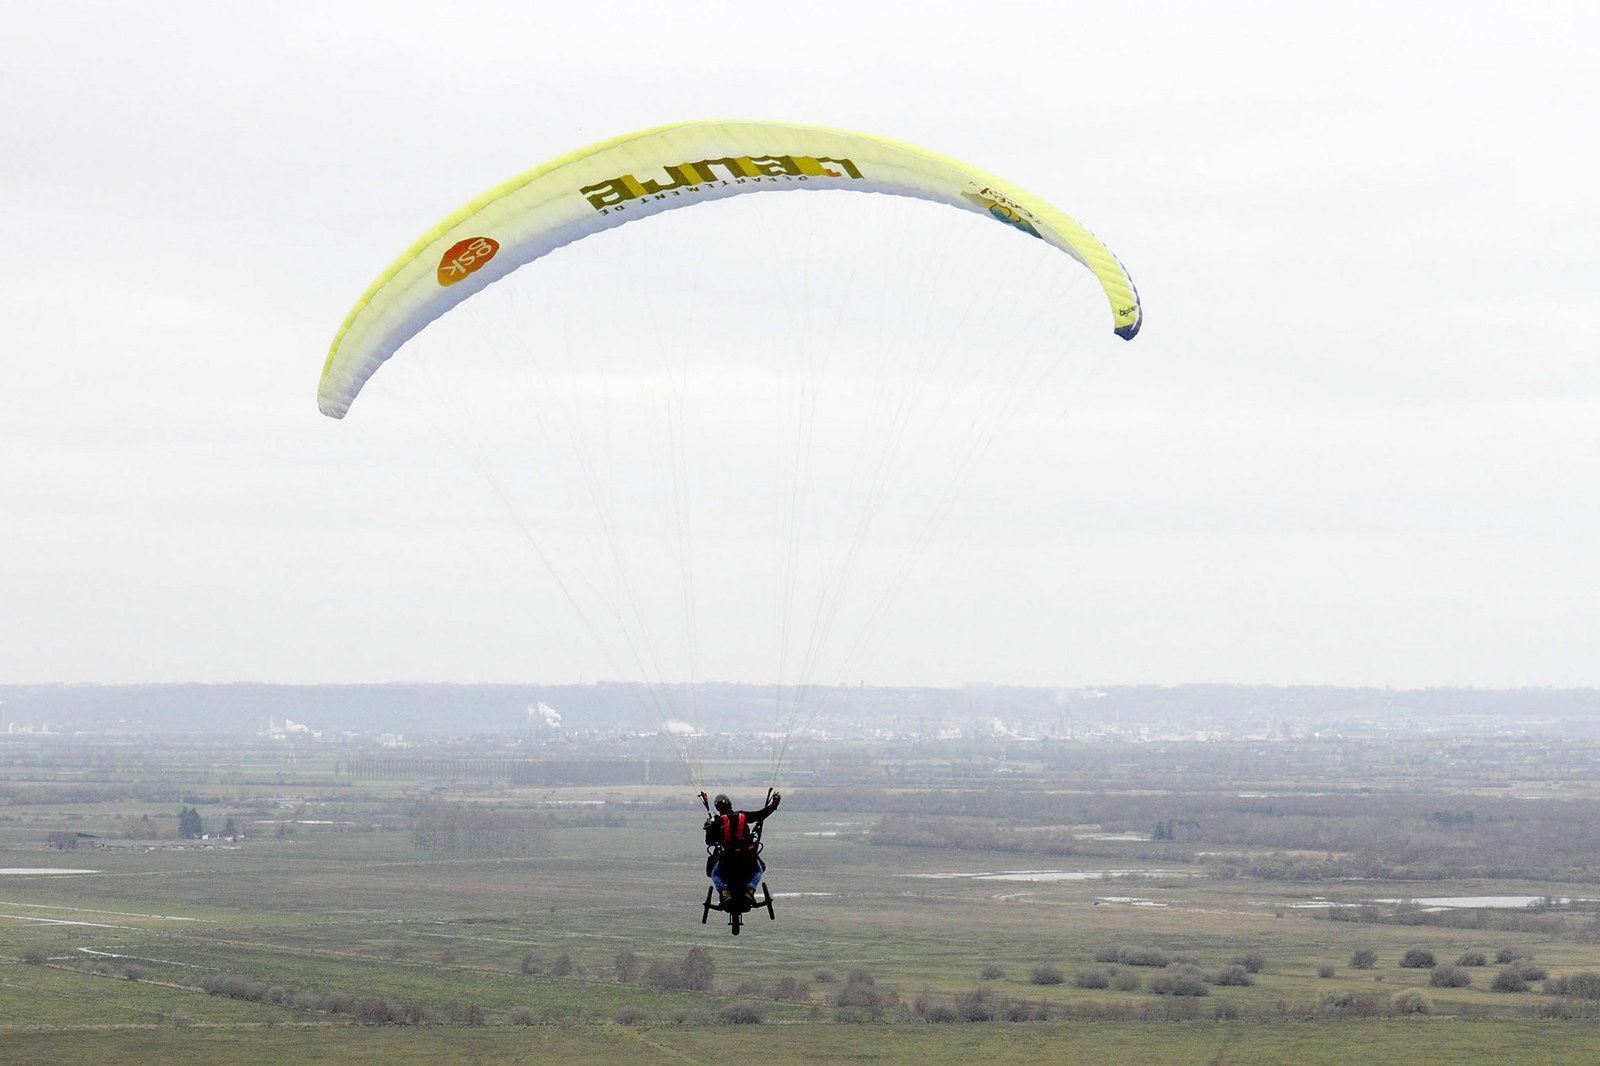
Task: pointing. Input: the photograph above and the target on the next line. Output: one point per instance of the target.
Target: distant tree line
(20, 794)
(470, 829)
(1389, 835)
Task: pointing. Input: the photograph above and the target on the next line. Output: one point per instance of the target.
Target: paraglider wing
(641, 174)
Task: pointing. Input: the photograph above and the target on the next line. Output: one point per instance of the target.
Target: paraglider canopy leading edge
(641, 174)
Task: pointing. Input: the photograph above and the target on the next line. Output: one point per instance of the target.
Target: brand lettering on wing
(688, 178)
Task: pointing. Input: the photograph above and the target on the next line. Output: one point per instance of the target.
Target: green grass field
(1233, 1044)
(328, 910)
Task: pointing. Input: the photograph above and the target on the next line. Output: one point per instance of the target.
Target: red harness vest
(734, 832)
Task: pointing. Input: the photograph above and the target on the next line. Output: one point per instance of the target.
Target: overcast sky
(1357, 442)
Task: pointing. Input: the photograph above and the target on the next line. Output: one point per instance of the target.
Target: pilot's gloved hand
(777, 797)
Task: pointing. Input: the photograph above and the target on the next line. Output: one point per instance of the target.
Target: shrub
(1449, 977)
(630, 1016)
(1566, 1009)
(626, 966)
(992, 971)
(1226, 1010)
(532, 963)
(1325, 970)
(824, 977)
(133, 972)
(1126, 982)
(1509, 980)
(1583, 985)
(446, 957)
(662, 974)
(1353, 1004)
(1089, 978)
(1142, 956)
(1418, 959)
(1016, 1010)
(1365, 959)
(934, 1010)
(1252, 961)
(1106, 954)
(742, 1013)
(694, 973)
(235, 987)
(1530, 971)
(1473, 958)
(1179, 980)
(1046, 974)
(521, 1015)
(1411, 1001)
(976, 1006)
(860, 993)
(460, 1012)
(562, 967)
(792, 990)
(1189, 985)
(1506, 956)
(1234, 975)
(33, 957)
(373, 1012)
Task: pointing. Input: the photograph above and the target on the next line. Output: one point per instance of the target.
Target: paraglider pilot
(735, 837)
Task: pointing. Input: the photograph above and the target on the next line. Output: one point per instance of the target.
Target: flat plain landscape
(937, 902)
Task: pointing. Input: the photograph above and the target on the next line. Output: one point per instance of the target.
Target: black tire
(733, 920)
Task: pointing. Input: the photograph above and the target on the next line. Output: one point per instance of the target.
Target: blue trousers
(721, 885)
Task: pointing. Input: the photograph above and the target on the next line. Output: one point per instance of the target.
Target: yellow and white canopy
(641, 174)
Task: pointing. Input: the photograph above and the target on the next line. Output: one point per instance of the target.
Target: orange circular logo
(466, 256)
